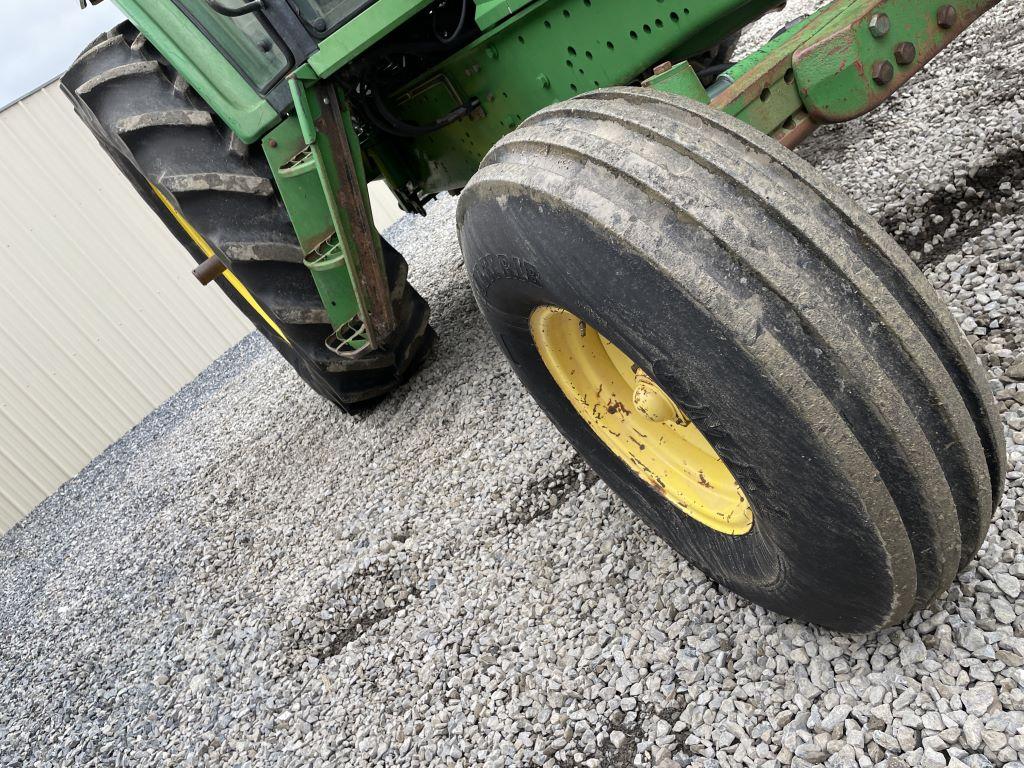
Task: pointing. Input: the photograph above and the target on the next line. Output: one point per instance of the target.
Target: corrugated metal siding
(385, 207)
(100, 317)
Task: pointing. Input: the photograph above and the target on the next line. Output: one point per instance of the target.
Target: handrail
(243, 10)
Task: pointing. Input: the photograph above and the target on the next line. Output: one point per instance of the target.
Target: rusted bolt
(273, 143)
(882, 72)
(946, 17)
(905, 53)
(209, 270)
(661, 69)
(879, 25)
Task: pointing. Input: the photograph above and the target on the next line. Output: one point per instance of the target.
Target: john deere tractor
(737, 349)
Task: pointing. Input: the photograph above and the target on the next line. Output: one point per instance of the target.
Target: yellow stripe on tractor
(208, 252)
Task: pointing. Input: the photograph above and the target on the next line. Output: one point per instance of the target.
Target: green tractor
(741, 353)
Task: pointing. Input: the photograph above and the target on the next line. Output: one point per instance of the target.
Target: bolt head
(879, 25)
(946, 16)
(882, 72)
(905, 54)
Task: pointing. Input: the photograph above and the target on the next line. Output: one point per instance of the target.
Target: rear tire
(163, 136)
(787, 326)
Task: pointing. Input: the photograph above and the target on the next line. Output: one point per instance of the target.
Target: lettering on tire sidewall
(499, 266)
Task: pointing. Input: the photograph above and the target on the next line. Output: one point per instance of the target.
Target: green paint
(330, 270)
(490, 13)
(835, 80)
(298, 181)
(532, 53)
(823, 66)
(772, 107)
(680, 80)
(299, 158)
(203, 66)
(546, 53)
(364, 30)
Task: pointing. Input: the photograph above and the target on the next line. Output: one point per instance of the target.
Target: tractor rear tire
(706, 264)
(218, 197)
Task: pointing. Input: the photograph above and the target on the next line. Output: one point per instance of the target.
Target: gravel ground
(251, 578)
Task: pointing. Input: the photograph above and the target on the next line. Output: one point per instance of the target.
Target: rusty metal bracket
(840, 63)
(364, 256)
(852, 69)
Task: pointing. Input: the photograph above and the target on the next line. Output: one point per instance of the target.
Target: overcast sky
(40, 38)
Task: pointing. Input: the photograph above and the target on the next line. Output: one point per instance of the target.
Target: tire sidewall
(523, 252)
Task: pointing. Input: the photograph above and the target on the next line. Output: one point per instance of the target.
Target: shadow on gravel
(983, 194)
(623, 755)
(543, 496)
(364, 623)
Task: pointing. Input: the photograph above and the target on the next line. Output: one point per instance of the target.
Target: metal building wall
(100, 317)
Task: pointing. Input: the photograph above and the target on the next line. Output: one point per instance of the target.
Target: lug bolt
(905, 54)
(882, 72)
(543, 80)
(946, 17)
(879, 25)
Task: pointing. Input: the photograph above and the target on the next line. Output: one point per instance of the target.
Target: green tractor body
(253, 127)
(434, 85)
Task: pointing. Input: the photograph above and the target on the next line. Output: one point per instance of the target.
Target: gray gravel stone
(978, 699)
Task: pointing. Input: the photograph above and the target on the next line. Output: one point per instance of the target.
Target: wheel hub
(650, 401)
(638, 421)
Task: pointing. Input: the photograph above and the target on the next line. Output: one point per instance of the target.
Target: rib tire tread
(890, 265)
(956, 432)
(729, 302)
(911, 474)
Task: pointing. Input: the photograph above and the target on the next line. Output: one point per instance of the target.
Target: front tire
(769, 311)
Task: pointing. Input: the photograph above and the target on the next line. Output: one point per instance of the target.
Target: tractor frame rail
(834, 66)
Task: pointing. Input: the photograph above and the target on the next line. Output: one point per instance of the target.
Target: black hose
(710, 73)
(387, 121)
(447, 40)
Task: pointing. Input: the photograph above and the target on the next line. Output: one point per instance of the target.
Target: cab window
(325, 15)
(244, 40)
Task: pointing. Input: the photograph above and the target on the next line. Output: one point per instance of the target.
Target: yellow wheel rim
(639, 422)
